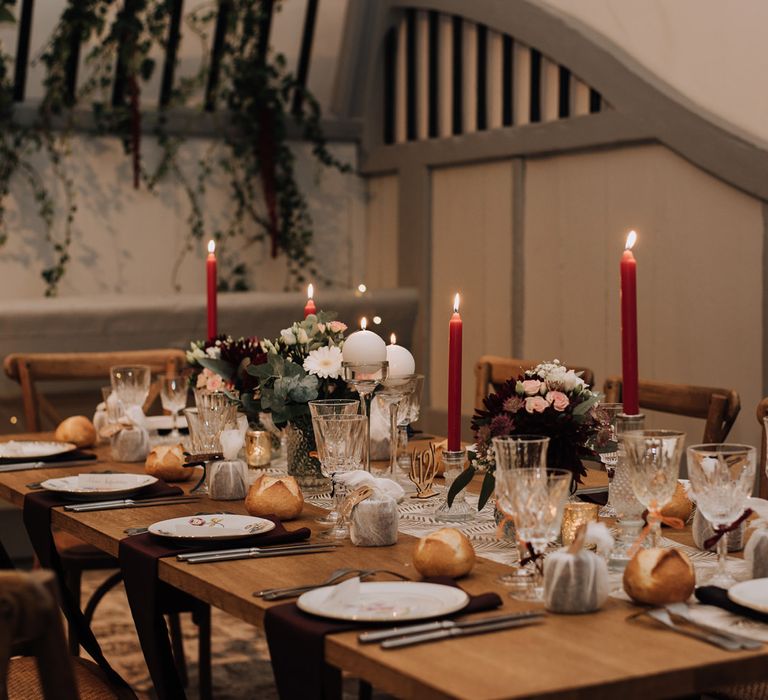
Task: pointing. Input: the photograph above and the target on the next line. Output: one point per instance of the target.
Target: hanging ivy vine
(254, 98)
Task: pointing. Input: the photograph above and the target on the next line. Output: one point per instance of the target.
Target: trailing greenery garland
(254, 98)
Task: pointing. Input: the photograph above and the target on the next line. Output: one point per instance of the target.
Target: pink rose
(531, 387)
(337, 326)
(558, 399)
(536, 403)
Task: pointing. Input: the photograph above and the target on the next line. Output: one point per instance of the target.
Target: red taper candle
(629, 328)
(309, 307)
(454, 378)
(210, 269)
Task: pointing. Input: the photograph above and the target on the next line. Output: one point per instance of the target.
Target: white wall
(712, 52)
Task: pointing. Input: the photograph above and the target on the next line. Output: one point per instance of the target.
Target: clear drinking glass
(722, 477)
(536, 499)
(519, 452)
(610, 457)
(407, 413)
(330, 407)
(653, 460)
(393, 392)
(173, 396)
(341, 443)
(131, 384)
(364, 378)
(204, 435)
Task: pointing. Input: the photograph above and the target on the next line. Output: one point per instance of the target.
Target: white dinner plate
(96, 487)
(215, 526)
(386, 601)
(751, 594)
(164, 422)
(32, 449)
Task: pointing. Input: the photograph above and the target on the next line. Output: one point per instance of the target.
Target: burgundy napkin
(713, 595)
(149, 597)
(297, 646)
(37, 520)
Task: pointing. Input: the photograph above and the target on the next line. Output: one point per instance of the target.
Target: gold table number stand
(423, 471)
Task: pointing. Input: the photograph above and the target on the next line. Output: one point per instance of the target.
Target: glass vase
(303, 463)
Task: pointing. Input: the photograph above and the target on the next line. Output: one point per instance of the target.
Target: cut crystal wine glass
(173, 396)
(722, 477)
(364, 378)
(131, 384)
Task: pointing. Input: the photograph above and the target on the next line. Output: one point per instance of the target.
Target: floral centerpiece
(548, 400)
(280, 377)
(222, 364)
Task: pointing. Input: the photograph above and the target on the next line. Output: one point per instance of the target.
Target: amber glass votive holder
(258, 448)
(575, 515)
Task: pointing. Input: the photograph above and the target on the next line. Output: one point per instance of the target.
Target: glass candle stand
(460, 511)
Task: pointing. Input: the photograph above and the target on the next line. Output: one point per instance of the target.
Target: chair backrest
(492, 371)
(30, 623)
(718, 407)
(762, 482)
(26, 369)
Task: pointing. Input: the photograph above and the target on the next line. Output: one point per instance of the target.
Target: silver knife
(380, 635)
(261, 554)
(456, 632)
(248, 550)
(129, 503)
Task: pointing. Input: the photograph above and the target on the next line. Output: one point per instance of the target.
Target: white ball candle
(364, 347)
(401, 362)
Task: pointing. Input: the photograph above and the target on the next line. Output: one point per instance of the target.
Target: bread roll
(445, 552)
(166, 462)
(77, 429)
(679, 506)
(659, 576)
(275, 495)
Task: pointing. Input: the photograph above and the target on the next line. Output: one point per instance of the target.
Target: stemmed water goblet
(607, 449)
(131, 384)
(722, 477)
(653, 461)
(173, 396)
(536, 498)
(408, 412)
(341, 444)
(330, 407)
(364, 378)
(518, 452)
(393, 392)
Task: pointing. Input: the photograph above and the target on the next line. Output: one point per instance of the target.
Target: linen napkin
(149, 598)
(297, 646)
(37, 521)
(713, 595)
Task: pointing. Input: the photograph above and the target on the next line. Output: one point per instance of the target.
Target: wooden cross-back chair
(762, 478)
(28, 369)
(718, 407)
(492, 371)
(31, 633)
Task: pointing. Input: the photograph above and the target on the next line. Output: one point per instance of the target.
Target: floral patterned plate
(214, 526)
(385, 601)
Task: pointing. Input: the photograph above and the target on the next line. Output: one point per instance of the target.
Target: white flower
(302, 336)
(572, 381)
(324, 362)
(288, 337)
(213, 352)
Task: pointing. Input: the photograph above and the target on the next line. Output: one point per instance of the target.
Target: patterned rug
(240, 667)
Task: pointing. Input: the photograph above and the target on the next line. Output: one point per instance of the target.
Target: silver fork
(662, 616)
(334, 577)
(682, 611)
(293, 592)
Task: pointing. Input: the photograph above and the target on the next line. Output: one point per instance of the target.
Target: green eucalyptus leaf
(221, 367)
(459, 483)
(487, 489)
(584, 406)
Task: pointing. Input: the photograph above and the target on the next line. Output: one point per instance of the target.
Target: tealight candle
(401, 362)
(574, 516)
(364, 346)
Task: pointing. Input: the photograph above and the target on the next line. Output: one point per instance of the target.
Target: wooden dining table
(600, 655)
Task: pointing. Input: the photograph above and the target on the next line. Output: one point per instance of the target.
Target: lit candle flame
(363, 323)
(211, 246)
(631, 240)
(362, 288)
(310, 291)
(393, 339)
(456, 303)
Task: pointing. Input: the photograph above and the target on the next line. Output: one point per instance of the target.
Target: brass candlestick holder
(423, 472)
